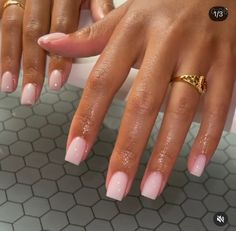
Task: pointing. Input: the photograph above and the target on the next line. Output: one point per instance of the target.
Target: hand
(21, 29)
(165, 38)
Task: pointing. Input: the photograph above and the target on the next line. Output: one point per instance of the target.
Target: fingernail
(28, 96)
(117, 186)
(152, 185)
(51, 37)
(199, 165)
(76, 151)
(55, 80)
(7, 82)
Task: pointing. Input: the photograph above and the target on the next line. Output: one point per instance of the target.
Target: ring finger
(11, 46)
(181, 108)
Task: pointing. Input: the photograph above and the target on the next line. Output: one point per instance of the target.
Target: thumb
(88, 41)
(100, 8)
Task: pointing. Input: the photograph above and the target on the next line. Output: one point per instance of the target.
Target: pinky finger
(221, 80)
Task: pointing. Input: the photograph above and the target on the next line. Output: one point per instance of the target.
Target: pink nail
(28, 96)
(117, 186)
(55, 80)
(76, 151)
(51, 37)
(7, 82)
(152, 186)
(198, 166)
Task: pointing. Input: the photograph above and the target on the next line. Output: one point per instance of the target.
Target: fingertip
(197, 164)
(43, 40)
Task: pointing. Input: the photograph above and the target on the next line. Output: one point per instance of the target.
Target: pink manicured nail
(76, 151)
(28, 96)
(199, 165)
(50, 37)
(7, 82)
(117, 186)
(152, 186)
(55, 80)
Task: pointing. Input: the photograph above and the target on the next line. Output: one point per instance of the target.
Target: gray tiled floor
(39, 191)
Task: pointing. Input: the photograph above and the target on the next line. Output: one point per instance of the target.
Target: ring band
(13, 2)
(197, 81)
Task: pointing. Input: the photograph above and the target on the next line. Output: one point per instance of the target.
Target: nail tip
(197, 174)
(198, 166)
(117, 186)
(111, 196)
(148, 196)
(153, 185)
(76, 151)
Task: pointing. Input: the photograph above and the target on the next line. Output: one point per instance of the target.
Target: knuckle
(88, 31)
(127, 158)
(164, 161)
(182, 107)
(99, 80)
(134, 20)
(31, 72)
(143, 102)
(216, 112)
(33, 29)
(86, 122)
(8, 60)
(11, 23)
(107, 6)
(61, 24)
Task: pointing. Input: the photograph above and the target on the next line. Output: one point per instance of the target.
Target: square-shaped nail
(152, 186)
(7, 84)
(28, 96)
(198, 166)
(76, 151)
(117, 186)
(55, 80)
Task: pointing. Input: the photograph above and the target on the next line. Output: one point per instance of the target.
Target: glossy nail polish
(117, 186)
(50, 37)
(7, 82)
(152, 186)
(55, 80)
(28, 96)
(198, 166)
(76, 151)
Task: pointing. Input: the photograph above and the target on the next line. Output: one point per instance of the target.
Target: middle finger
(140, 114)
(36, 24)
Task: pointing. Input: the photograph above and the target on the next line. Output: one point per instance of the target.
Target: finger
(88, 41)
(100, 8)
(216, 104)
(35, 24)
(105, 79)
(139, 117)
(1, 7)
(65, 18)
(11, 47)
(181, 107)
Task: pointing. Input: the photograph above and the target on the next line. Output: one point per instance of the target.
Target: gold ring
(13, 2)
(197, 81)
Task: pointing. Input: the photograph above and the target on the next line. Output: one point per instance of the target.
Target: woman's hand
(166, 38)
(21, 29)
